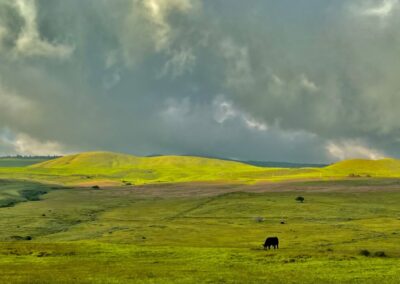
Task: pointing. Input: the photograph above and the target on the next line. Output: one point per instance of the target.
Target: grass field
(177, 219)
(204, 233)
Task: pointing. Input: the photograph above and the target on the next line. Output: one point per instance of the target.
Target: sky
(298, 81)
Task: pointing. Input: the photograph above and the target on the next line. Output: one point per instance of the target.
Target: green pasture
(198, 233)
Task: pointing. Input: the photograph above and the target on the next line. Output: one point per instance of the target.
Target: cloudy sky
(299, 81)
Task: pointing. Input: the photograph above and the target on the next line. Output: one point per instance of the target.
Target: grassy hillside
(111, 160)
(373, 168)
(95, 167)
(14, 192)
(105, 168)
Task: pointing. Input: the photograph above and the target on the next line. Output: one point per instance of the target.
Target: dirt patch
(204, 189)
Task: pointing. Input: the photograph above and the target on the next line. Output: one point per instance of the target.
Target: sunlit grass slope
(138, 170)
(106, 168)
(111, 160)
(372, 168)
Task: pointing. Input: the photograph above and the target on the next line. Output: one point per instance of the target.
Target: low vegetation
(183, 233)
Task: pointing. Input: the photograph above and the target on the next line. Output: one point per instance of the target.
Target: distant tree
(300, 199)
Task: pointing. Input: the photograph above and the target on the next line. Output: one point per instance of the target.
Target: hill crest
(117, 160)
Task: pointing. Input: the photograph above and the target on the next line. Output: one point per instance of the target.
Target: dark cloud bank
(301, 81)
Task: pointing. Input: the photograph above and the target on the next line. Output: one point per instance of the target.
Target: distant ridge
(283, 164)
(258, 163)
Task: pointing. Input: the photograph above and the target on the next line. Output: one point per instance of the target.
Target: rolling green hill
(374, 168)
(90, 160)
(111, 160)
(106, 168)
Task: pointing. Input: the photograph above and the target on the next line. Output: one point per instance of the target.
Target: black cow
(271, 242)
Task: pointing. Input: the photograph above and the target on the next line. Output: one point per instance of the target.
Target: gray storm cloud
(306, 81)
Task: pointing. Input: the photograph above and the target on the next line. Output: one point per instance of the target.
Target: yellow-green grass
(374, 168)
(105, 168)
(158, 235)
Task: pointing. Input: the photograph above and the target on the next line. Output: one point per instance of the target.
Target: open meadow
(345, 231)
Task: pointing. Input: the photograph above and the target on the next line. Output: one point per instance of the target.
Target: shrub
(20, 238)
(365, 252)
(380, 254)
(32, 195)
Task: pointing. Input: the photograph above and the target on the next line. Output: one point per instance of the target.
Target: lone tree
(300, 199)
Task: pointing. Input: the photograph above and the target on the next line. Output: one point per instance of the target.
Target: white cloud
(277, 80)
(3, 33)
(380, 9)
(13, 105)
(254, 124)
(26, 145)
(238, 67)
(352, 149)
(181, 61)
(29, 42)
(307, 84)
(384, 9)
(157, 13)
(176, 109)
(225, 110)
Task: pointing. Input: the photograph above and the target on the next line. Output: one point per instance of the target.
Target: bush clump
(32, 195)
(20, 238)
(380, 254)
(365, 252)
